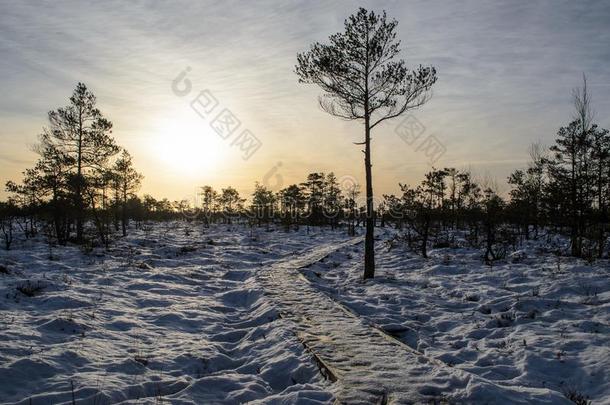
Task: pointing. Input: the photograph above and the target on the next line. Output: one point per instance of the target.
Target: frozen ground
(163, 315)
(531, 321)
(188, 318)
(370, 366)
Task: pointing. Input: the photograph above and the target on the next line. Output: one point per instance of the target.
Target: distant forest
(83, 187)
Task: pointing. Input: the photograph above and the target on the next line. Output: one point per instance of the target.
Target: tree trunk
(489, 254)
(369, 242)
(574, 220)
(425, 235)
(79, 211)
(79, 186)
(124, 218)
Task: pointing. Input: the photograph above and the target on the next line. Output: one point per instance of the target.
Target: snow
(187, 315)
(162, 315)
(531, 321)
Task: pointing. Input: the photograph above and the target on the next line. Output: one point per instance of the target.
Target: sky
(506, 71)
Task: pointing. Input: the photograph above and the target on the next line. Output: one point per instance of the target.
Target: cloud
(505, 72)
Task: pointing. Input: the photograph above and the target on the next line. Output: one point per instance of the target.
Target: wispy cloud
(505, 74)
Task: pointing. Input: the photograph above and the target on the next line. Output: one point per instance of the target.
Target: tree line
(83, 188)
(317, 201)
(564, 190)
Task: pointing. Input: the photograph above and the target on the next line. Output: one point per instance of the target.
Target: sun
(188, 146)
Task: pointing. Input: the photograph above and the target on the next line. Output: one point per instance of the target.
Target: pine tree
(231, 203)
(362, 80)
(263, 201)
(80, 134)
(493, 207)
(8, 213)
(600, 160)
(314, 192)
(292, 205)
(351, 206)
(332, 199)
(129, 181)
(570, 171)
(209, 197)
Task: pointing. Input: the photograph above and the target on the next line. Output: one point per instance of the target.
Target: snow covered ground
(531, 321)
(168, 314)
(178, 314)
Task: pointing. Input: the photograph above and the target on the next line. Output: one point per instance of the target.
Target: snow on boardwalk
(371, 367)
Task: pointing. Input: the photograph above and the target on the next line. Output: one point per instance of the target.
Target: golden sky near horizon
(505, 76)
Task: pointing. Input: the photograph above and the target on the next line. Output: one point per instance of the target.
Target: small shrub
(187, 249)
(391, 243)
(30, 289)
(441, 244)
(484, 309)
(141, 359)
(589, 294)
(87, 247)
(576, 397)
(505, 320)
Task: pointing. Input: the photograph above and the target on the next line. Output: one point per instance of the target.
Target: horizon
(505, 70)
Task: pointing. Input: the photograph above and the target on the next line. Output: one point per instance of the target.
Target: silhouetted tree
(493, 208)
(8, 212)
(351, 207)
(423, 205)
(313, 188)
(569, 170)
(129, 181)
(600, 159)
(230, 202)
(362, 81)
(452, 175)
(97, 190)
(332, 200)
(208, 202)
(292, 205)
(263, 201)
(81, 136)
(394, 210)
(526, 197)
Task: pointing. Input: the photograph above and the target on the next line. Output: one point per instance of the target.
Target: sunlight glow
(187, 146)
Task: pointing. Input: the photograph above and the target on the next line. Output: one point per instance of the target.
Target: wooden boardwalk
(369, 366)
